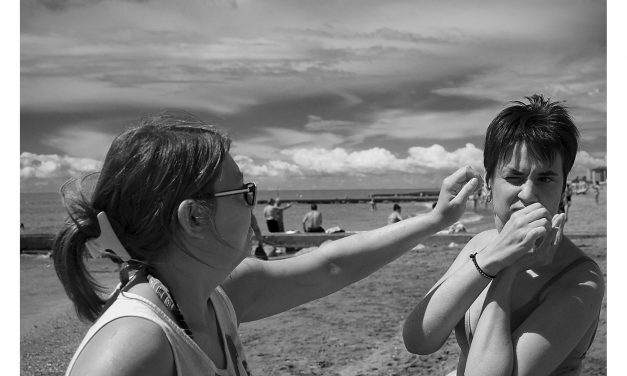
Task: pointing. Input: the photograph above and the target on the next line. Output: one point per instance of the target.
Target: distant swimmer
(373, 204)
(395, 216)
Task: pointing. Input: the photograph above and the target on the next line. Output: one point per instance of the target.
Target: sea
(44, 213)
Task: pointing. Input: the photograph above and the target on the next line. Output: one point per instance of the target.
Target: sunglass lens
(250, 195)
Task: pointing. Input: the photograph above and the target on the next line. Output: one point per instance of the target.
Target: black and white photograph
(338, 188)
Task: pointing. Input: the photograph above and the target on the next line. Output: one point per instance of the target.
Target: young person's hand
(544, 248)
(527, 229)
(455, 190)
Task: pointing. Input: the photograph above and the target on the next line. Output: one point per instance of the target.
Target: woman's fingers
(471, 186)
(461, 177)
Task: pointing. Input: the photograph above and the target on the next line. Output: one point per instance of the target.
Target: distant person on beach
(475, 200)
(597, 191)
(312, 221)
(184, 237)
(373, 204)
(270, 216)
(568, 195)
(259, 251)
(522, 298)
(278, 213)
(395, 216)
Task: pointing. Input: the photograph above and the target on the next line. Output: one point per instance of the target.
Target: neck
(191, 283)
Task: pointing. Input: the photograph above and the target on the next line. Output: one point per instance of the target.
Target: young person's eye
(513, 178)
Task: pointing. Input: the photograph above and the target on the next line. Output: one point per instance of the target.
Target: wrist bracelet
(473, 256)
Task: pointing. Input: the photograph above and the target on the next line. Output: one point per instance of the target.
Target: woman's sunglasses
(249, 191)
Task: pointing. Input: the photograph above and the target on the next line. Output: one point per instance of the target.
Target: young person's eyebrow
(511, 170)
(548, 173)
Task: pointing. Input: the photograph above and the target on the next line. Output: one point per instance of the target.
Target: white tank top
(189, 359)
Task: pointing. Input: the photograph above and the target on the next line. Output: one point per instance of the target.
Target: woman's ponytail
(69, 254)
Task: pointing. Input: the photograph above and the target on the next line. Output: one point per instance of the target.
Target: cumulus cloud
(311, 162)
(272, 168)
(436, 157)
(585, 161)
(50, 166)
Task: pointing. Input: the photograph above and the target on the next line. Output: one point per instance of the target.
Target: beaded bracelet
(474, 261)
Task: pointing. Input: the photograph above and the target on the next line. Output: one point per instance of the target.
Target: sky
(329, 94)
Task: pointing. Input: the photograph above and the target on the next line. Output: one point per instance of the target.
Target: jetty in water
(427, 194)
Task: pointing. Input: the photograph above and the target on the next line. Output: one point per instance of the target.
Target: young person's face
(522, 181)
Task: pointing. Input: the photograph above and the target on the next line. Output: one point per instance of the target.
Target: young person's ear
(193, 218)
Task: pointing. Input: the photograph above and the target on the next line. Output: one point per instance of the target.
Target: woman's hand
(454, 193)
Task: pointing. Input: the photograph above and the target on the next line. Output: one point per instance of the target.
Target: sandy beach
(356, 331)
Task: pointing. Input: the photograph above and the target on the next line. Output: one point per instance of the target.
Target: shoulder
(127, 346)
(583, 285)
(584, 280)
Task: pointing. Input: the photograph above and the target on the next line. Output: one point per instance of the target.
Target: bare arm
(553, 330)
(544, 339)
(491, 350)
(432, 320)
(260, 289)
(429, 324)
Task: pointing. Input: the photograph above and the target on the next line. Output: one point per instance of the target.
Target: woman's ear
(193, 218)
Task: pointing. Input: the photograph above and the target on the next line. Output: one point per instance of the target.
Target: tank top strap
(224, 308)
(578, 261)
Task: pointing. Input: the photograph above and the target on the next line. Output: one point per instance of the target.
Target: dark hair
(545, 127)
(148, 171)
(396, 207)
(314, 207)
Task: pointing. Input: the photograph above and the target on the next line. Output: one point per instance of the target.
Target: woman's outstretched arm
(260, 289)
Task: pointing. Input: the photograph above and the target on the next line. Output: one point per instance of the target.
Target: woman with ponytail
(171, 206)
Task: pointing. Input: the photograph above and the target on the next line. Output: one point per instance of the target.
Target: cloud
(437, 158)
(414, 124)
(311, 162)
(50, 166)
(272, 168)
(316, 123)
(585, 161)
